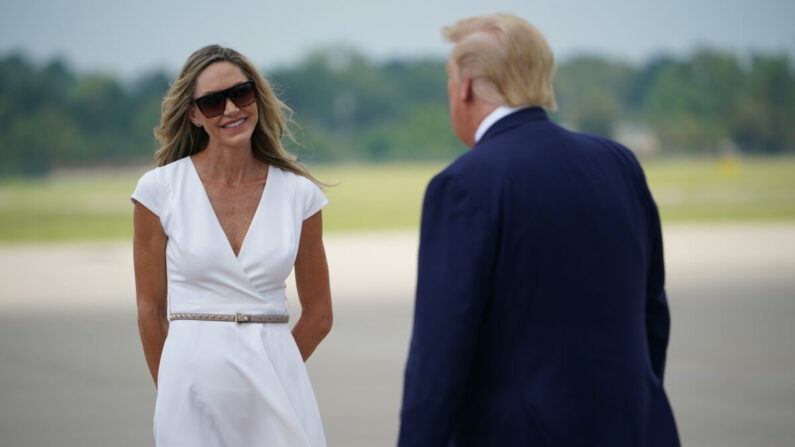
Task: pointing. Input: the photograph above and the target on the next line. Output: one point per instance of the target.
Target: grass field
(95, 205)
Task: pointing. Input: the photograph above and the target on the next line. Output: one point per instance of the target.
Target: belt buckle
(240, 318)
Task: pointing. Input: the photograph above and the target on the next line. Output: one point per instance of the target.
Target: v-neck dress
(220, 383)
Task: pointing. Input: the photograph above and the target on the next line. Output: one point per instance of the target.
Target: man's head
(498, 60)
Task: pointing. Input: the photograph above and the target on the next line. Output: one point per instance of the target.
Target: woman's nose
(231, 108)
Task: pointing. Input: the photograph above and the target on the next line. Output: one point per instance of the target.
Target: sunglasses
(214, 104)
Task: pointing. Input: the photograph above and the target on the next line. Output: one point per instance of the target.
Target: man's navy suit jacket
(541, 317)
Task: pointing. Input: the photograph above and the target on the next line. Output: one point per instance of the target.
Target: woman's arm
(149, 253)
(312, 283)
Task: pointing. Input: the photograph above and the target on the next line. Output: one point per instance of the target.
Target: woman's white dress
(222, 383)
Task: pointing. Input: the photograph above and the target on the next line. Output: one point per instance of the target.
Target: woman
(218, 227)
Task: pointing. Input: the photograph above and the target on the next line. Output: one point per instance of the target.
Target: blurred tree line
(348, 107)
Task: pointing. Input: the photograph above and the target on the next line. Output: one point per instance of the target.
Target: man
(541, 318)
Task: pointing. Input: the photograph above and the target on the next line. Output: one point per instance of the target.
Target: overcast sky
(127, 37)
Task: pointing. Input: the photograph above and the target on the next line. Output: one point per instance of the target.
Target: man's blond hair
(507, 58)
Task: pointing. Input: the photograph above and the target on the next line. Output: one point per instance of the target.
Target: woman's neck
(230, 165)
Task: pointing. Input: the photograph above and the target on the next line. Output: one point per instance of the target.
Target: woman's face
(235, 125)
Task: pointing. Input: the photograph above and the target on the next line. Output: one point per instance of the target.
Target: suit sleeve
(456, 257)
(658, 321)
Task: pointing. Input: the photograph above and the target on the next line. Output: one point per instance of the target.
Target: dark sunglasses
(214, 104)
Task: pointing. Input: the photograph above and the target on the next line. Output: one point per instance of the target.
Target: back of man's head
(507, 58)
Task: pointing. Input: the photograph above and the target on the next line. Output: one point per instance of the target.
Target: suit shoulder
(471, 165)
(468, 182)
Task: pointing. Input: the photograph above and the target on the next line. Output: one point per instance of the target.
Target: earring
(198, 124)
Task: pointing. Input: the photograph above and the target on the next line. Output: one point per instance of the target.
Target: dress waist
(264, 307)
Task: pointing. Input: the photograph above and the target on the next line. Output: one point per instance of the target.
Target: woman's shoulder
(293, 179)
(155, 185)
(307, 196)
(176, 165)
(156, 180)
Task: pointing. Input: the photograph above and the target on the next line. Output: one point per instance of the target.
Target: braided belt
(234, 318)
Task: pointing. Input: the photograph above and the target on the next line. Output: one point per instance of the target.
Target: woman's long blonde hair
(179, 138)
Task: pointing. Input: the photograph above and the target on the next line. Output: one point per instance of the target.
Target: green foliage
(765, 114)
(592, 93)
(352, 109)
(349, 108)
(689, 102)
(50, 117)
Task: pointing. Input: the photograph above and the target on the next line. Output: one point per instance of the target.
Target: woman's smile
(233, 125)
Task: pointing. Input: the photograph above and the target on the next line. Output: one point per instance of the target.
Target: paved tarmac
(72, 372)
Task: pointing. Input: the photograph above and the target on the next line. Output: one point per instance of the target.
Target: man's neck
(492, 117)
(475, 115)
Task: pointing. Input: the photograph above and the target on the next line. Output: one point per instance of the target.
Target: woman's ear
(193, 117)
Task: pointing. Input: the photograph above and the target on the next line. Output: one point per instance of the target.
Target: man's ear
(466, 94)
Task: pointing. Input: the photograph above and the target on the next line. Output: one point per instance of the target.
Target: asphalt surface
(72, 371)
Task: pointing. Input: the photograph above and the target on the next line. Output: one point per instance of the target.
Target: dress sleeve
(314, 199)
(147, 192)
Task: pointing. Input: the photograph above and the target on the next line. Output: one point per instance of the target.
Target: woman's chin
(237, 139)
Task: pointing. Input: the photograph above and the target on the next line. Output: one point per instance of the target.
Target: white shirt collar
(495, 115)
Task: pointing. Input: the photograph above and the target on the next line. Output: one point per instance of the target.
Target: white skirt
(227, 384)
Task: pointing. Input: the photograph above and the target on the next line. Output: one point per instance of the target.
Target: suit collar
(495, 115)
(514, 119)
